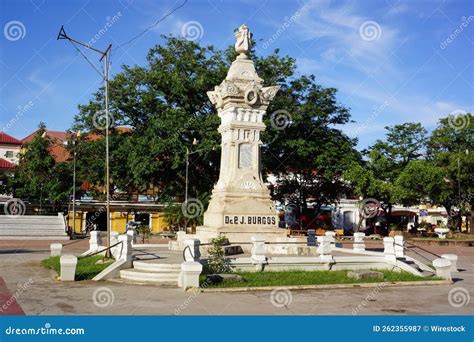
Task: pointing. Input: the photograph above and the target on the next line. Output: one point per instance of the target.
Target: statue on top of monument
(244, 41)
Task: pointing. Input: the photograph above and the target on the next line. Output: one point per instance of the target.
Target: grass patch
(288, 278)
(86, 267)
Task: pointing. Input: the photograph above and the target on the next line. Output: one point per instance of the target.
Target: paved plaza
(39, 294)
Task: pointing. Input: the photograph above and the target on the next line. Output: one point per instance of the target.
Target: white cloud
(336, 30)
(366, 74)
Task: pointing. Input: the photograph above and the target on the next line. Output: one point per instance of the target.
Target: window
(9, 154)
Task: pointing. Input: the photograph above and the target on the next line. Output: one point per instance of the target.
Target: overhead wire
(85, 57)
(170, 12)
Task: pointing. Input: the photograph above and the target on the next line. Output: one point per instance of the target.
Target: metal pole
(459, 180)
(105, 76)
(187, 167)
(106, 71)
(74, 191)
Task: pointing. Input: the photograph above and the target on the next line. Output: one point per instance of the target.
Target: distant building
(57, 149)
(59, 139)
(9, 150)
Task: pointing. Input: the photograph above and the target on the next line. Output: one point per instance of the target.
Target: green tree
(384, 161)
(38, 178)
(306, 151)
(451, 149)
(420, 182)
(166, 106)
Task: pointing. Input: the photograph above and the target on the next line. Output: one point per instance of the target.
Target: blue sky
(392, 61)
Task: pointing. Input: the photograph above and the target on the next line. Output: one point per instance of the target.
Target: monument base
(238, 235)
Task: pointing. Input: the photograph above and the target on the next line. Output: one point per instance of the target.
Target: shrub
(144, 232)
(216, 260)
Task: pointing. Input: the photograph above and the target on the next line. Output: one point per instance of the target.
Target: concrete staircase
(33, 227)
(152, 272)
(414, 267)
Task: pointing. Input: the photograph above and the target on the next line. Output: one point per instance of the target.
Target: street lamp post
(105, 56)
(105, 76)
(187, 170)
(74, 142)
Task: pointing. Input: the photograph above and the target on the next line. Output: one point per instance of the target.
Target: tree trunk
(448, 210)
(389, 215)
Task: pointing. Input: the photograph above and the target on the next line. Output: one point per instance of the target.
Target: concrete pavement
(39, 294)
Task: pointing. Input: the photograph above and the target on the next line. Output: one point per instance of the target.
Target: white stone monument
(241, 206)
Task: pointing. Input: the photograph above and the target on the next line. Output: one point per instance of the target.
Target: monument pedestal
(241, 205)
(239, 215)
(238, 235)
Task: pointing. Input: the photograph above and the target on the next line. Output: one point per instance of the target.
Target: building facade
(9, 152)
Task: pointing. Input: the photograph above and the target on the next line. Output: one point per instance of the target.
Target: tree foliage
(384, 161)
(409, 168)
(166, 106)
(38, 177)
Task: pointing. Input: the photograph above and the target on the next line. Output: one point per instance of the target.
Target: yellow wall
(119, 221)
(78, 221)
(157, 223)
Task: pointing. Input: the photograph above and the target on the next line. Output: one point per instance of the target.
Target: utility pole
(105, 76)
(75, 138)
(187, 169)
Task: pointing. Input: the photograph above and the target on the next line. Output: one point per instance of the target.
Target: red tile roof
(6, 165)
(55, 135)
(57, 149)
(8, 139)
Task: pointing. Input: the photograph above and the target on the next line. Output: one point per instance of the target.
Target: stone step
(32, 228)
(31, 223)
(34, 234)
(427, 273)
(34, 237)
(41, 220)
(151, 277)
(54, 223)
(156, 267)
